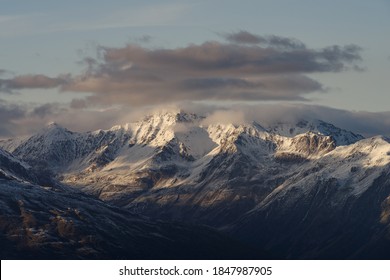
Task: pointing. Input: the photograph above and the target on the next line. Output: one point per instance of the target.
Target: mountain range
(299, 190)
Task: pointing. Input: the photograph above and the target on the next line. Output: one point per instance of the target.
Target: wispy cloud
(31, 82)
(9, 113)
(3, 72)
(245, 37)
(26, 119)
(362, 122)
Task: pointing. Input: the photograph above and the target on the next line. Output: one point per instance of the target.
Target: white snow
(127, 156)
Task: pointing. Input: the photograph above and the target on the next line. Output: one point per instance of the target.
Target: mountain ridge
(178, 167)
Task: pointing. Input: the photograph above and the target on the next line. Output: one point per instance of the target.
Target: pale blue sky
(49, 37)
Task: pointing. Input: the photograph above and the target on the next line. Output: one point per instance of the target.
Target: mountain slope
(45, 224)
(336, 208)
(300, 191)
(341, 136)
(173, 161)
(58, 222)
(11, 168)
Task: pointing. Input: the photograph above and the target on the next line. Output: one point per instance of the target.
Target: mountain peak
(53, 126)
(49, 134)
(341, 136)
(172, 117)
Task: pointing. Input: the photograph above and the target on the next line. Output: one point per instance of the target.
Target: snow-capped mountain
(336, 207)
(59, 149)
(175, 150)
(53, 221)
(341, 136)
(163, 150)
(239, 178)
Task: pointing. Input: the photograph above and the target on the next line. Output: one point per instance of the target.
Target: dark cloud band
(244, 37)
(32, 82)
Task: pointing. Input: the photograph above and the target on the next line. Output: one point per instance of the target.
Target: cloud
(144, 39)
(277, 68)
(225, 117)
(46, 110)
(284, 42)
(8, 114)
(17, 120)
(4, 72)
(78, 104)
(31, 82)
(27, 119)
(244, 37)
(133, 79)
(362, 122)
(139, 75)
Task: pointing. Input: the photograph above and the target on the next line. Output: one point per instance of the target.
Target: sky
(100, 63)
